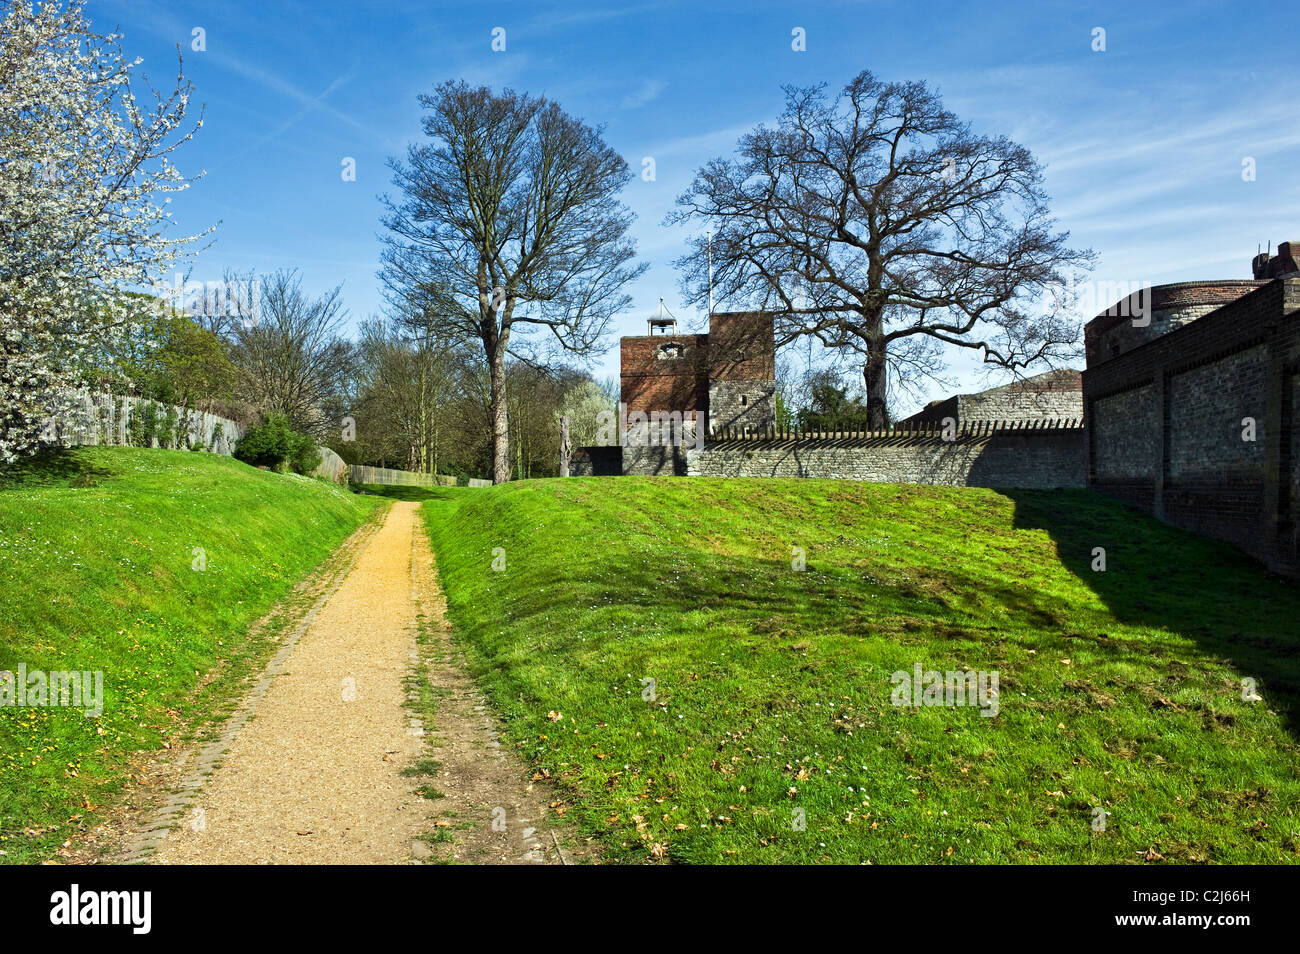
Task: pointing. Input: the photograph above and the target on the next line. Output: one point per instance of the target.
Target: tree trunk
(500, 412)
(424, 415)
(873, 376)
(564, 446)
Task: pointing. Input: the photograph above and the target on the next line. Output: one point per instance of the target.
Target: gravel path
(315, 776)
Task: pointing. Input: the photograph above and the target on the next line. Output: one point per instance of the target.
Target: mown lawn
(1120, 691)
(99, 571)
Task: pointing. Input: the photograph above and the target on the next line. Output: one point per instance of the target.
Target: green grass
(402, 492)
(1120, 690)
(98, 571)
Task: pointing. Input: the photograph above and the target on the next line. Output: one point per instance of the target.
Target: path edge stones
(139, 847)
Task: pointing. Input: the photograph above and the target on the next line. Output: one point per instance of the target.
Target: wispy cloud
(283, 87)
(1270, 125)
(648, 92)
(562, 20)
(313, 104)
(700, 147)
(496, 70)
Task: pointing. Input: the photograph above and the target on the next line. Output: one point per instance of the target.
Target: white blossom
(84, 169)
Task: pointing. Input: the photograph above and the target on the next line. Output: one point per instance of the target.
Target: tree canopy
(878, 223)
(509, 218)
(85, 162)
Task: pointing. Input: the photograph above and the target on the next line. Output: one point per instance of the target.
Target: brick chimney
(1285, 262)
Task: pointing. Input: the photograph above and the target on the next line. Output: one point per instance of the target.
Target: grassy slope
(96, 573)
(1118, 689)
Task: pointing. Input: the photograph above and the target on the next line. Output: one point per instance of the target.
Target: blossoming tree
(85, 166)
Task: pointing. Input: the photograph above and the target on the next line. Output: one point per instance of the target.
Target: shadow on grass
(1160, 576)
(1157, 577)
(780, 608)
(52, 467)
(399, 492)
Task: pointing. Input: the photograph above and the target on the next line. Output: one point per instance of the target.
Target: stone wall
(741, 404)
(80, 418)
(1165, 424)
(655, 461)
(1045, 457)
(331, 466)
(1293, 425)
(599, 461)
(1207, 405)
(640, 461)
(1055, 395)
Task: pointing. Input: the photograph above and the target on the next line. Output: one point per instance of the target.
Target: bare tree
(439, 354)
(288, 353)
(406, 388)
(878, 223)
(509, 217)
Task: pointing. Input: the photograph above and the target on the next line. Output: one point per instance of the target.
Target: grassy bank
(149, 566)
(768, 733)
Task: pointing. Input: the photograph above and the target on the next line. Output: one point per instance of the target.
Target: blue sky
(1143, 143)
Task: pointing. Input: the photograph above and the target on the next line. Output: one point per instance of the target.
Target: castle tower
(722, 379)
(742, 371)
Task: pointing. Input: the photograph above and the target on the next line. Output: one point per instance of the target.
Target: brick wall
(726, 374)
(1127, 435)
(1025, 458)
(1168, 307)
(1165, 423)
(665, 373)
(742, 346)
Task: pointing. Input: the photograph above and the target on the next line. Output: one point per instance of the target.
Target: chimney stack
(1285, 262)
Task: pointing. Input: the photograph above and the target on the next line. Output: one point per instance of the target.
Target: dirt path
(489, 813)
(311, 772)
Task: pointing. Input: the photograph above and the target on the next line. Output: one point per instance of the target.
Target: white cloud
(283, 87)
(648, 91)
